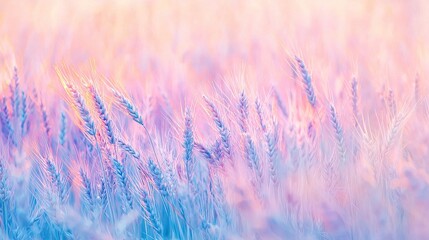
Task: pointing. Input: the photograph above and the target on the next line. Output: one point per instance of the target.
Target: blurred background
(172, 43)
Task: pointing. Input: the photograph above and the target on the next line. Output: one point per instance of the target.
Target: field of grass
(198, 119)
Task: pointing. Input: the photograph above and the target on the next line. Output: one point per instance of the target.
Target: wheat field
(198, 119)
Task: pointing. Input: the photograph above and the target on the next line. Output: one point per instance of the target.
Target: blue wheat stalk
(107, 187)
(87, 190)
(124, 184)
(23, 113)
(171, 177)
(45, 119)
(56, 180)
(157, 177)
(7, 125)
(307, 82)
(243, 108)
(205, 152)
(110, 175)
(149, 209)
(129, 107)
(133, 112)
(218, 196)
(3, 187)
(280, 102)
(102, 197)
(127, 148)
(355, 107)
(260, 115)
(223, 130)
(270, 141)
(102, 113)
(339, 136)
(188, 145)
(63, 125)
(32, 103)
(4, 199)
(252, 157)
(15, 92)
(217, 152)
(83, 111)
(212, 155)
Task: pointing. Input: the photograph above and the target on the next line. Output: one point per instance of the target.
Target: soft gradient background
(174, 43)
(165, 55)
